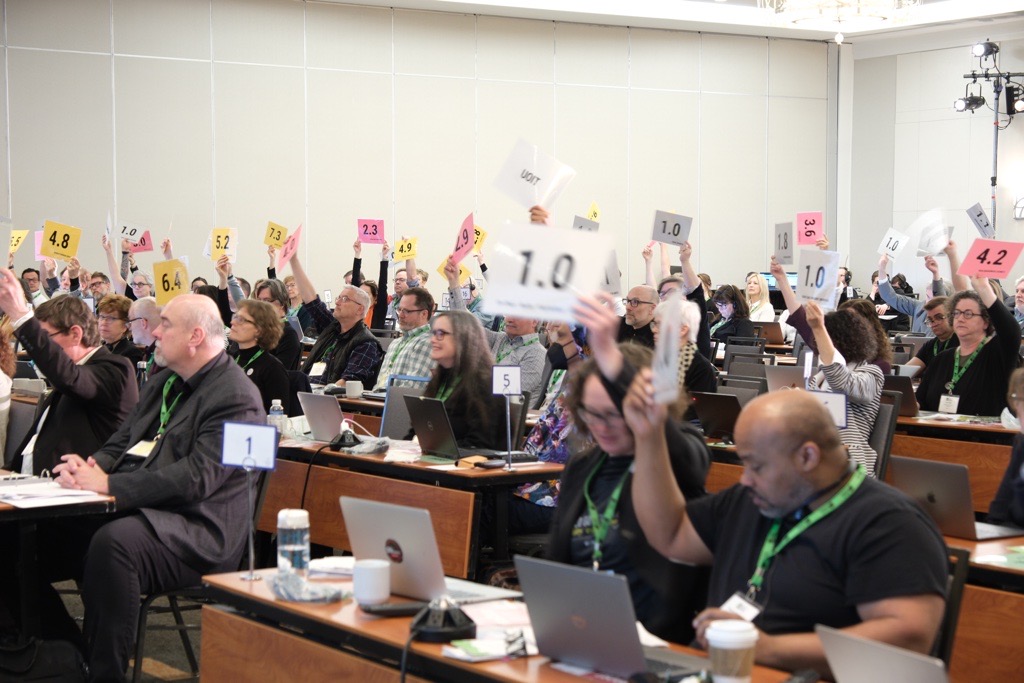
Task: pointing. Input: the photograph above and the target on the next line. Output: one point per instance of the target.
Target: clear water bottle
(293, 542)
(277, 418)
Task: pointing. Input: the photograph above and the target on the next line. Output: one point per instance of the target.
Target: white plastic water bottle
(293, 542)
(277, 418)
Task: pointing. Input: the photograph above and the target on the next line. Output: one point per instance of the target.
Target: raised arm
(659, 504)
(782, 283)
(357, 263)
(117, 281)
(307, 292)
(666, 267)
(690, 279)
(596, 313)
(648, 254)
(960, 282)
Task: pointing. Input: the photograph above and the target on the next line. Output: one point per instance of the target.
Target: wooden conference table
(454, 497)
(265, 639)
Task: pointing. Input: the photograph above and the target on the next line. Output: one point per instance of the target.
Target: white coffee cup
(371, 581)
(353, 388)
(731, 645)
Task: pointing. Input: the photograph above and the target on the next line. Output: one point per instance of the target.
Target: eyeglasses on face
(666, 293)
(104, 318)
(966, 315)
(236, 318)
(439, 334)
(938, 318)
(636, 302)
(601, 419)
(139, 283)
(408, 311)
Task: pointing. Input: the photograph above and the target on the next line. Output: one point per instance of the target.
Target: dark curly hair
(636, 355)
(866, 310)
(851, 335)
(973, 296)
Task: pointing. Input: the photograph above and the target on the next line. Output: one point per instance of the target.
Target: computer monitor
(773, 286)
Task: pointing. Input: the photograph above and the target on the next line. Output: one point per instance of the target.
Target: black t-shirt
(615, 549)
(638, 335)
(934, 347)
(879, 544)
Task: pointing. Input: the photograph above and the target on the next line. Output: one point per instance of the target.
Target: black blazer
(734, 327)
(88, 403)
(196, 506)
(127, 348)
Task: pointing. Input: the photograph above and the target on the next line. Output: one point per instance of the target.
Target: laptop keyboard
(673, 665)
(517, 456)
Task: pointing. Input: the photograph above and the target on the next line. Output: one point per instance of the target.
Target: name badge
(742, 606)
(949, 404)
(142, 449)
(318, 369)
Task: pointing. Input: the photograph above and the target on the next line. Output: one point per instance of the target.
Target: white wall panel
(158, 28)
(434, 43)
(664, 59)
(515, 49)
(258, 31)
(797, 68)
(731, 64)
(59, 24)
(591, 55)
(343, 37)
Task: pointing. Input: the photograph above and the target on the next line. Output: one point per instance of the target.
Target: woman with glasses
(973, 379)
(595, 524)
(288, 349)
(733, 315)
(1008, 505)
(256, 329)
(462, 380)
(112, 316)
(761, 309)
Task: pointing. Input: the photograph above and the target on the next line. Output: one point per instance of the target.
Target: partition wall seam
(113, 109)
(213, 123)
(7, 116)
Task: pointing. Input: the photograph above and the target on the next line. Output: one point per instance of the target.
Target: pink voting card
(145, 243)
(464, 240)
(808, 227)
(371, 230)
(291, 245)
(990, 258)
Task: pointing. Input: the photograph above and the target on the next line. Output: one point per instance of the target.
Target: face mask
(556, 357)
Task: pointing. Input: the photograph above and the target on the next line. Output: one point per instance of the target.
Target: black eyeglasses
(936, 319)
(966, 315)
(636, 302)
(408, 311)
(439, 334)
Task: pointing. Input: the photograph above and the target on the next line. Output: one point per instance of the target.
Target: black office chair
(181, 600)
(297, 381)
(960, 563)
(883, 430)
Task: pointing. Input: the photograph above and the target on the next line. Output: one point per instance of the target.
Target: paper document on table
(46, 494)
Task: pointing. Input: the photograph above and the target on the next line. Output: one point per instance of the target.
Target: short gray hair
(145, 308)
(689, 314)
(202, 311)
(361, 297)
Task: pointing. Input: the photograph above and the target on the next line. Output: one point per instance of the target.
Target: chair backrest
(714, 351)
(960, 562)
(758, 384)
(395, 422)
(883, 430)
(745, 396)
(747, 354)
(746, 367)
(297, 381)
(19, 422)
(902, 353)
(758, 342)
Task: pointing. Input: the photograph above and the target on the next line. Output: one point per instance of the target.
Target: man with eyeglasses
(941, 329)
(99, 286)
(345, 349)
(519, 344)
(143, 318)
(35, 289)
(93, 389)
(410, 354)
(636, 324)
(914, 308)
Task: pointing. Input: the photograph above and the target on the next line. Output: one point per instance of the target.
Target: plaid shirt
(409, 355)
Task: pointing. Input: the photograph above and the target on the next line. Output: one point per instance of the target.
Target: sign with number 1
(816, 277)
(893, 243)
(671, 228)
(784, 243)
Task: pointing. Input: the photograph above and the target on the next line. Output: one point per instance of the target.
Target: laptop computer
(904, 385)
(434, 432)
(944, 491)
(907, 370)
(772, 333)
(322, 413)
(854, 659)
(784, 377)
(571, 626)
(717, 413)
(405, 536)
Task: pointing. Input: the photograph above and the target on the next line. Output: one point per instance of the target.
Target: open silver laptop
(854, 659)
(772, 333)
(322, 413)
(586, 618)
(944, 491)
(405, 536)
(784, 377)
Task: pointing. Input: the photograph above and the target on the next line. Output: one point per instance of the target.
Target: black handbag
(54, 661)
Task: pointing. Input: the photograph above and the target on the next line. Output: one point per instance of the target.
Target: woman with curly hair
(883, 350)
(845, 349)
(462, 379)
(256, 328)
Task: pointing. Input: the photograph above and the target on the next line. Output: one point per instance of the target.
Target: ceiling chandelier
(846, 14)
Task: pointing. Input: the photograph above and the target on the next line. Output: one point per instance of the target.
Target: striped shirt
(862, 383)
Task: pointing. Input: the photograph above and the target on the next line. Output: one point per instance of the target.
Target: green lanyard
(149, 364)
(601, 522)
(770, 549)
(165, 410)
(556, 377)
(444, 392)
(958, 372)
(407, 340)
(251, 360)
(936, 349)
(505, 355)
